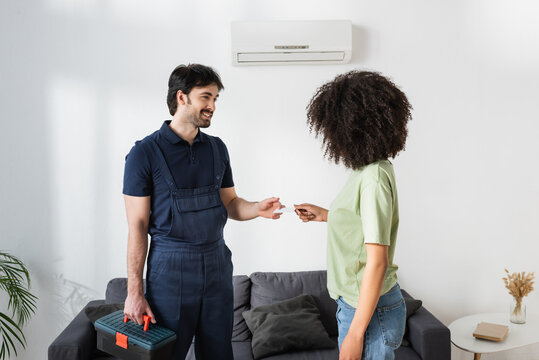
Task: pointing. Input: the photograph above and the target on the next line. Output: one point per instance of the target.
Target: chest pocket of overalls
(198, 217)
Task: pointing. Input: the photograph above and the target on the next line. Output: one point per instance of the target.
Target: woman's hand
(310, 212)
(351, 348)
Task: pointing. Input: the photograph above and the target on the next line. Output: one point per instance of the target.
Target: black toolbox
(129, 341)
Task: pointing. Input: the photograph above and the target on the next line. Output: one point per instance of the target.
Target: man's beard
(199, 122)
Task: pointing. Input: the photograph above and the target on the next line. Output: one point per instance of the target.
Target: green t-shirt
(365, 211)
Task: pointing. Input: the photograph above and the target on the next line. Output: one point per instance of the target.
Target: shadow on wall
(71, 297)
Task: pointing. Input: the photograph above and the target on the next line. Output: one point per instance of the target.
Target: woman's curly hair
(362, 117)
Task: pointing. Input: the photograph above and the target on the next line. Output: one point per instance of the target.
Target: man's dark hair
(362, 117)
(186, 77)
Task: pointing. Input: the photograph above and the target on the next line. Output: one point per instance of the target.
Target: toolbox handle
(145, 318)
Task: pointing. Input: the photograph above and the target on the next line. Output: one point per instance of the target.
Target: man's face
(200, 105)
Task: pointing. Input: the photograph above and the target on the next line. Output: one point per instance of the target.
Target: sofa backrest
(270, 287)
(116, 291)
(261, 288)
(242, 302)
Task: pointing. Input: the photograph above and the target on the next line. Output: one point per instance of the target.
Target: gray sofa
(428, 338)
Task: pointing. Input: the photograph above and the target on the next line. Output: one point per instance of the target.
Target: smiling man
(178, 188)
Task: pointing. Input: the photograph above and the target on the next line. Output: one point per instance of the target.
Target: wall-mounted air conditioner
(291, 42)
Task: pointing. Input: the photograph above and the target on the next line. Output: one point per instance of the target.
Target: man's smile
(207, 114)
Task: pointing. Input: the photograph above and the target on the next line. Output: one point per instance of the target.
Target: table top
(518, 335)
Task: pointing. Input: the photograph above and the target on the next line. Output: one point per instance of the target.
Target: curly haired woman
(362, 117)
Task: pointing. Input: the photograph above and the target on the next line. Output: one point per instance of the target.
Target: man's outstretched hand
(266, 208)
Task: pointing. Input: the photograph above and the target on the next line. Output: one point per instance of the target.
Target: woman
(362, 118)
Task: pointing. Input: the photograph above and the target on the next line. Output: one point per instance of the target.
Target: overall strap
(217, 162)
(163, 165)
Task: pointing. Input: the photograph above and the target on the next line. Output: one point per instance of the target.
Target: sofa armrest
(78, 340)
(428, 336)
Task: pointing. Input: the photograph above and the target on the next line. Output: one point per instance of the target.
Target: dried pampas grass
(519, 285)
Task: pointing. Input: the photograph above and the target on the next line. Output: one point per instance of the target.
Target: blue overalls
(189, 271)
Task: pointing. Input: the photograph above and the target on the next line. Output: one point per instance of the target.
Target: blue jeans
(385, 330)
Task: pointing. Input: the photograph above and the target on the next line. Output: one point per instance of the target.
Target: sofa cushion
(242, 350)
(270, 287)
(320, 354)
(292, 324)
(406, 353)
(242, 298)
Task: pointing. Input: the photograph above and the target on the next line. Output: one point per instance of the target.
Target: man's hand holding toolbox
(136, 306)
(145, 318)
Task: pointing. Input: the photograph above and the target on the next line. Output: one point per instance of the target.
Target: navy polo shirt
(191, 167)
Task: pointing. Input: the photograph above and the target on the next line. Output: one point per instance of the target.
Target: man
(178, 188)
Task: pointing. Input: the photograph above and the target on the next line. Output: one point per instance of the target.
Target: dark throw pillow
(412, 305)
(292, 324)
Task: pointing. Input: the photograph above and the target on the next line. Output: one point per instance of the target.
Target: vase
(517, 312)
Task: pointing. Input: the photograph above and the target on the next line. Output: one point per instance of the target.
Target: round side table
(518, 335)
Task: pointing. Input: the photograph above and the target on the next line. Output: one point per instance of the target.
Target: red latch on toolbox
(121, 340)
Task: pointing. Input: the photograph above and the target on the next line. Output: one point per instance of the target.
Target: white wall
(82, 80)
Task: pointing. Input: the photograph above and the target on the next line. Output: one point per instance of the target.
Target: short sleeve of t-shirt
(376, 208)
(228, 180)
(137, 173)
